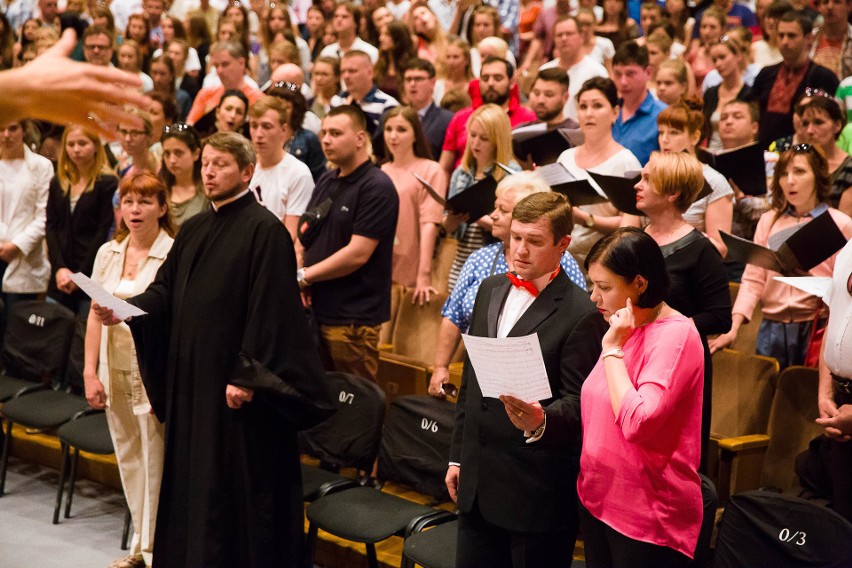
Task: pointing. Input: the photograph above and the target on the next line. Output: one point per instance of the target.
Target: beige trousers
(138, 442)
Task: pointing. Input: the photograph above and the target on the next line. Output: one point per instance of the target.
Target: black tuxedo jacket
(519, 486)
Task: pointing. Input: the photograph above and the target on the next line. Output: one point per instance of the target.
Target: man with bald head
(356, 70)
(288, 74)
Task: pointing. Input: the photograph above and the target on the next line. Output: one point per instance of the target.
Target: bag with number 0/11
(766, 529)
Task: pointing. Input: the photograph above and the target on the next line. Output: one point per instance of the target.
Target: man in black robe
(230, 367)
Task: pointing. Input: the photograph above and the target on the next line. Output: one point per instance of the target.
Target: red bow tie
(526, 284)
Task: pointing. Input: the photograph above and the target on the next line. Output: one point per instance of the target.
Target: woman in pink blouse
(639, 490)
(420, 214)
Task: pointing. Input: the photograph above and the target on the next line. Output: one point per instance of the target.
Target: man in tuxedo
(513, 465)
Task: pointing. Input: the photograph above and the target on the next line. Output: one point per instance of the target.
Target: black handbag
(313, 218)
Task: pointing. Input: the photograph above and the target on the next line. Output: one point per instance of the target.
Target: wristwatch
(590, 222)
(540, 430)
(300, 278)
(617, 353)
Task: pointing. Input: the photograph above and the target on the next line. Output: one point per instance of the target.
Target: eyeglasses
(415, 79)
(96, 47)
(286, 85)
(132, 133)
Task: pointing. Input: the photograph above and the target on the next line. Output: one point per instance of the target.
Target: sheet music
(819, 286)
(96, 292)
(511, 365)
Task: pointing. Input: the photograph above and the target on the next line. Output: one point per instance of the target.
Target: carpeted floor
(91, 538)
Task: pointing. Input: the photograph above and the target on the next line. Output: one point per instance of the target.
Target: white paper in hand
(819, 286)
(511, 365)
(121, 309)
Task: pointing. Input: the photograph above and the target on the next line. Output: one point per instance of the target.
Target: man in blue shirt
(636, 125)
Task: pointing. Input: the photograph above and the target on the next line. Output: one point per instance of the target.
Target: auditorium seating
(405, 367)
(445, 252)
(414, 449)
(747, 335)
(767, 459)
(743, 387)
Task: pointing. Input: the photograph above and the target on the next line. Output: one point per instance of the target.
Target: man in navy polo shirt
(346, 258)
(636, 125)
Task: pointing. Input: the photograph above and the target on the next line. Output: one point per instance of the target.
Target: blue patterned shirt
(459, 306)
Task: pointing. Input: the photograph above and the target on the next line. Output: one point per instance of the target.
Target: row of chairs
(409, 443)
(37, 348)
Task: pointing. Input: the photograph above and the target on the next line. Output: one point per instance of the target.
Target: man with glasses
(97, 46)
(777, 86)
(418, 88)
(572, 59)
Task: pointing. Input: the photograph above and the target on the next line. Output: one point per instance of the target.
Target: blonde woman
(454, 72)
(125, 266)
(489, 140)
(79, 213)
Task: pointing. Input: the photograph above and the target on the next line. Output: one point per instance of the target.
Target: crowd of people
(290, 162)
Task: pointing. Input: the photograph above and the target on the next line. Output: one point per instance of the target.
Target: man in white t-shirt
(281, 182)
(580, 68)
(346, 21)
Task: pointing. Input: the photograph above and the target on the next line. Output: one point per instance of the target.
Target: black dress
(699, 290)
(74, 237)
(231, 493)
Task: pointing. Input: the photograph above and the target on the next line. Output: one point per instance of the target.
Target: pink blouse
(639, 470)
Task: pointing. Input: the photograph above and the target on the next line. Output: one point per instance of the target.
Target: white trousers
(138, 442)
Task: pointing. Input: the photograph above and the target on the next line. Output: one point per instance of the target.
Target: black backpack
(38, 337)
(766, 529)
(416, 442)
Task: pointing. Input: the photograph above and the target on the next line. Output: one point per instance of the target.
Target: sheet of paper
(95, 291)
(511, 365)
(818, 286)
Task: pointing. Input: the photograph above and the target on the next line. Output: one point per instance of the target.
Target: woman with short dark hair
(639, 489)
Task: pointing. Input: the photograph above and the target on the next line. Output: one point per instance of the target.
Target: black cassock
(227, 296)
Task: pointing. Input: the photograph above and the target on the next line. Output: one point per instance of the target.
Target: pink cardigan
(781, 302)
(639, 470)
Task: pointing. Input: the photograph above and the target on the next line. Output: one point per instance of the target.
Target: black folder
(477, 200)
(808, 246)
(544, 145)
(745, 165)
(578, 191)
(621, 191)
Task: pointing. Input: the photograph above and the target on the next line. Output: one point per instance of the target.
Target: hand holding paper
(121, 309)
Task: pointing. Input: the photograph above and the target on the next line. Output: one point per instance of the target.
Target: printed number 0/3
(798, 536)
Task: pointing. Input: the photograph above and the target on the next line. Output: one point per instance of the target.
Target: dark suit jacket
(519, 486)
(777, 125)
(435, 123)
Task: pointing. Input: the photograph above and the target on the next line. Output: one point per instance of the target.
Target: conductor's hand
(621, 326)
(236, 396)
(526, 416)
(105, 315)
(452, 481)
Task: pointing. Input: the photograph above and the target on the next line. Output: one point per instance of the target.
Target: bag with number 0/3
(766, 529)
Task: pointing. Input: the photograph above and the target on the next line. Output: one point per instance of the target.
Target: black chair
(40, 335)
(432, 548)
(35, 347)
(766, 529)
(414, 450)
(88, 431)
(349, 438)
